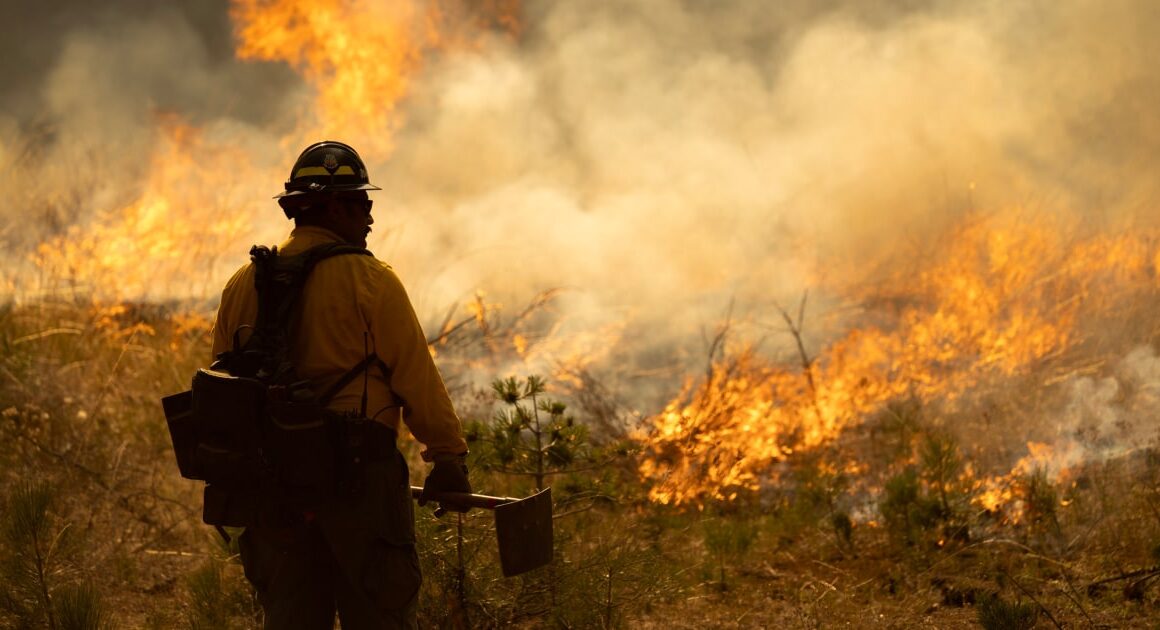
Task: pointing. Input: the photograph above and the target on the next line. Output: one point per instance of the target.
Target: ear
(333, 207)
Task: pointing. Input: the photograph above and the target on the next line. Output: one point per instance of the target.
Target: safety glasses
(358, 202)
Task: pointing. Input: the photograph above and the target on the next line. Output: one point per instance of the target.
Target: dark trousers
(355, 557)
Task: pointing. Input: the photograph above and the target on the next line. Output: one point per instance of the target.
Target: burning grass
(1007, 315)
(928, 468)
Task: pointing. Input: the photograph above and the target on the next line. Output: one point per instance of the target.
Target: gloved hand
(448, 475)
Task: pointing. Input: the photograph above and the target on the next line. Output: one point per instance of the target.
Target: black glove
(448, 475)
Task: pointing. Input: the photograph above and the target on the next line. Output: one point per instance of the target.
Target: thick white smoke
(663, 157)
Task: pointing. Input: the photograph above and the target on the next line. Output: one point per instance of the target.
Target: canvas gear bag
(253, 430)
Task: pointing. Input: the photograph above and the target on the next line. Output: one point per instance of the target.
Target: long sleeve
(399, 341)
(237, 307)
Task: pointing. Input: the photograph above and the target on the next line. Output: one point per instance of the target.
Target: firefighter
(356, 556)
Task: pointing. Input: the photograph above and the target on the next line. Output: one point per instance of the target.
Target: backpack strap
(279, 281)
(359, 367)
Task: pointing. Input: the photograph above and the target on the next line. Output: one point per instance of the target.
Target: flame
(1003, 494)
(997, 492)
(360, 56)
(1003, 297)
(197, 210)
(165, 236)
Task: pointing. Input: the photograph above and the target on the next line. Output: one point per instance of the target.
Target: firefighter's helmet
(326, 167)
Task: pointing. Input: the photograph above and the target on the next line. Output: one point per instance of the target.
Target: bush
(997, 614)
(80, 607)
(908, 514)
(41, 584)
(1040, 499)
(727, 539)
(219, 597)
(929, 502)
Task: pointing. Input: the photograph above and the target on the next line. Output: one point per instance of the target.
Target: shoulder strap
(350, 375)
(279, 281)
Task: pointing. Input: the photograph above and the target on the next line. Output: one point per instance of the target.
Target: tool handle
(482, 501)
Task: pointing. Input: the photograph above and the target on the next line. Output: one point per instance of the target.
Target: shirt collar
(304, 237)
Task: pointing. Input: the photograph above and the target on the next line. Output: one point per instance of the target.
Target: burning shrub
(1007, 305)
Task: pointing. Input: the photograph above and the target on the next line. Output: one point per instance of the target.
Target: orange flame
(148, 248)
(198, 202)
(360, 56)
(1004, 296)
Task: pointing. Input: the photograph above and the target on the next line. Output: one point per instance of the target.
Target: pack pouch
(227, 413)
(255, 433)
(301, 451)
(182, 432)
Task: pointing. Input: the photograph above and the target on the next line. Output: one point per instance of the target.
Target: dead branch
(541, 300)
(1139, 573)
(807, 363)
(717, 344)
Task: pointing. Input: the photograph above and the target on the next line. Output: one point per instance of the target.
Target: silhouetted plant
(219, 596)
(930, 497)
(996, 614)
(80, 607)
(532, 435)
(39, 586)
(727, 538)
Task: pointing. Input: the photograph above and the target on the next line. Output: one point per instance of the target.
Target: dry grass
(79, 412)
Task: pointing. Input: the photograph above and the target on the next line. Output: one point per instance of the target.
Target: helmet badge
(330, 163)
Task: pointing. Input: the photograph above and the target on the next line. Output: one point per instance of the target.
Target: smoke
(1107, 417)
(74, 63)
(658, 160)
(88, 87)
(669, 157)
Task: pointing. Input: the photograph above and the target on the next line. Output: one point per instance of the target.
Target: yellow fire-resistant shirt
(344, 297)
